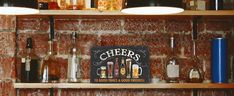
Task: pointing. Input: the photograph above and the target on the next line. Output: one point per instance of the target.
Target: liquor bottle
(216, 4)
(172, 68)
(122, 69)
(43, 4)
(116, 70)
(29, 67)
(195, 73)
(191, 4)
(53, 5)
(74, 70)
(50, 67)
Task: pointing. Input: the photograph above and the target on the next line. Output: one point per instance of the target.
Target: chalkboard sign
(120, 64)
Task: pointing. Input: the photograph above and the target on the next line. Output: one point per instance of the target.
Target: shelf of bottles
(126, 86)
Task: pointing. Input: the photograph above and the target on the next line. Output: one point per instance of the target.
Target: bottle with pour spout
(74, 70)
(49, 66)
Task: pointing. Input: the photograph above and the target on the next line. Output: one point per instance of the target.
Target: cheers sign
(120, 64)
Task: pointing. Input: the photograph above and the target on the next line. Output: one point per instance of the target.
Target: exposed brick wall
(150, 32)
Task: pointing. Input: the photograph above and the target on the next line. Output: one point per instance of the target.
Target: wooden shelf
(125, 86)
(118, 13)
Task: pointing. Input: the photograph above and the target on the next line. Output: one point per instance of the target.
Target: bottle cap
(29, 43)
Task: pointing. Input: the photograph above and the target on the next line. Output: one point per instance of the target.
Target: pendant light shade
(153, 7)
(18, 7)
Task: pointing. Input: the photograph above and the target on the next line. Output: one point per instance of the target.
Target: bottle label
(122, 71)
(192, 3)
(201, 5)
(172, 71)
(27, 65)
(194, 74)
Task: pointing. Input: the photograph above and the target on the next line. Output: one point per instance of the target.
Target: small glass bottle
(195, 74)
(122, 69)
(116, 69)
(172, 67)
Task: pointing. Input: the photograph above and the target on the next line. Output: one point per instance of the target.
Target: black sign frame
(137, 56)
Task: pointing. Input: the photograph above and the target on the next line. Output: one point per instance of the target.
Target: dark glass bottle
(30, 64)
(216, 4)
(43, 4)
(122, 69)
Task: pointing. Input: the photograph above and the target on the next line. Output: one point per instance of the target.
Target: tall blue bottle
(219, 60)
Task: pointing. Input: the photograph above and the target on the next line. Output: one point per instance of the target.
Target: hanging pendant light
(153, 7)
(18, 7)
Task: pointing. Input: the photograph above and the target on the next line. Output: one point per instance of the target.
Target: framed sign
(120, 64)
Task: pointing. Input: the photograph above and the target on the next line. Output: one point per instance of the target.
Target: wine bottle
(172, 68)
(116, 69)
(29, 66)
(50, 68)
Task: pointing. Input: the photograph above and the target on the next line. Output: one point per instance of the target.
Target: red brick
(144, 25)
(40, 43)
(219, 24)
(167, 92)
(157, 68)
(7, 40)
(33, 24)
(84, 43)
(7, 22)
(158, 44)
(66, 24)
(7, 67)
(7, 88)
(178, 25)
(133, 25)
(100, 24)
(121, 40)
(85, 68)
(34, 92)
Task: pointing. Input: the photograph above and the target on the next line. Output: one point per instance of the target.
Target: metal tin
(219, 60)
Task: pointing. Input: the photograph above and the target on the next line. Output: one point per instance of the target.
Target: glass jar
(110, 4)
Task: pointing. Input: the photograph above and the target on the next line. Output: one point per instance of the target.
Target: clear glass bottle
(172, 67)
(50, 69)
(74, 68)
(29, 65)
(195, 74)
